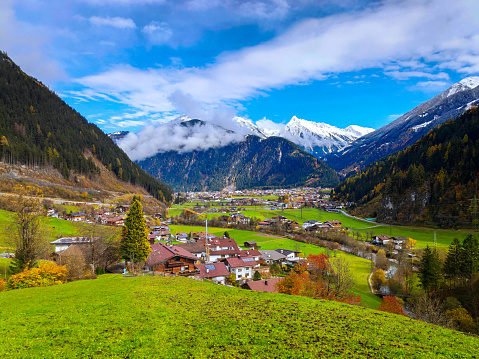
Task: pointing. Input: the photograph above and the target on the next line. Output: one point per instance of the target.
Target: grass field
(423, 236)
(159, 317)
(52, 227)
(4, 264)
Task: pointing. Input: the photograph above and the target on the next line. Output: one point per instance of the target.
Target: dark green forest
(253, 163)
(430, 182)
(38, 128)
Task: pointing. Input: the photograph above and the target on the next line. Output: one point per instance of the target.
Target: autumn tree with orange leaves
(316, 277)
(391, 305)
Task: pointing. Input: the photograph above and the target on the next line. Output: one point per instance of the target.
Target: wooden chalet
(171, 260)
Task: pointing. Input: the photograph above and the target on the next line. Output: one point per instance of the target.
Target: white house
(242, 267)
(63, 243)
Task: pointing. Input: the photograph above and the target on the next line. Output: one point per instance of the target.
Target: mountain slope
(430, 182)
(251, 163)
(38, 128)
(320, 139)
(408, 128)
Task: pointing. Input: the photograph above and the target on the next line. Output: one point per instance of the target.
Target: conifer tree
(430, 269)
(470, 256)
(134, 239)
(453, 263)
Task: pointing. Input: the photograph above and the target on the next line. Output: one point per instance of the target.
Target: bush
(3, 285)
(462, 319)
(45, 275)
(391, 305)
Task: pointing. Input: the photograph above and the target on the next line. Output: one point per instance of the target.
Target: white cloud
(118, 22)
(430, 86)
(406, 75)
(271, 128)
(174, 137)
(403, 37)
(158, 33)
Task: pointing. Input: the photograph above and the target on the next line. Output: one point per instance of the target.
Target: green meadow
(158, 317)
(53, 228)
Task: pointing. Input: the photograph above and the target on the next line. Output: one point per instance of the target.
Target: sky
(133, 64)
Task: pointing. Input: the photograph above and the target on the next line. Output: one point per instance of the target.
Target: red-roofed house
(171, 259)
(242, 267)
(222, 248)
(216, 272)
(265, 285)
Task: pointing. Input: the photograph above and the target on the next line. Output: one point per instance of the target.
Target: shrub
(46, 274)
(3, 285)
(462, 319)
(391, 305)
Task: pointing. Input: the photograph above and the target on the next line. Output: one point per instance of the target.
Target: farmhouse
(266, 285)
(272, 256)
(242, 267)
(216, 272)
(291, 256)
(171, 259)
(63, 243)
(76, 216)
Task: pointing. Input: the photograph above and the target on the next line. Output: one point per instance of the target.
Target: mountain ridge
(407, 129)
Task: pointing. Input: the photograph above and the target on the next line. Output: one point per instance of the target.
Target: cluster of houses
(296, 198)
(206, 256)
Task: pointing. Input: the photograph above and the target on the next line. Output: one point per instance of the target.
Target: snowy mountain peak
(320, 138)
(465, 84)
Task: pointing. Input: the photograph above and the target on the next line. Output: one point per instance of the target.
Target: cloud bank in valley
(176, 136)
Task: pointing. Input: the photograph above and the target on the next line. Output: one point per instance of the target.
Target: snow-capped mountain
(320, 138)
(250, 126)
(408, 128)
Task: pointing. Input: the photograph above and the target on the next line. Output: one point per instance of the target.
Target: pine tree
(470, 256)
(430, 269)
(453, 263)
(134, 239)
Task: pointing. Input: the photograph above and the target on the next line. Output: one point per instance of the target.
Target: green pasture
(52, 229)
(145, 317)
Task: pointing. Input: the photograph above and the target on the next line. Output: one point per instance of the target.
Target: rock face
(407, 129)
(252, 163)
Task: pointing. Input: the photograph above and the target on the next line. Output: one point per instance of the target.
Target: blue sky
(124, 64)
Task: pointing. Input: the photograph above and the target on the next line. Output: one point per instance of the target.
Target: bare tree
(344, 281)
(430, 309)
(103, 248)
(26, 232)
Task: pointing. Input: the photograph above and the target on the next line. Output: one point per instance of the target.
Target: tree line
(37, 128)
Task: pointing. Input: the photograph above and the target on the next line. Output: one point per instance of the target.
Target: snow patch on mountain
(320, 138)
(465, 84)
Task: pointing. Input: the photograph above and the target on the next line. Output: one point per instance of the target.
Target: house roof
(71, 240)
(235, 262)
(383, 237)
(266, 285)
(250, 243)
(272, 254)
(214, 270)
(250, 252)
(193, 247)
(285, 251)
(161, 252)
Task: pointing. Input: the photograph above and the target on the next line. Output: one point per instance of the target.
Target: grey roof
(272, 255)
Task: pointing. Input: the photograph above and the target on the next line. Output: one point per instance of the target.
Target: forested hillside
(430, 182)
(252, 163)
(38, 128)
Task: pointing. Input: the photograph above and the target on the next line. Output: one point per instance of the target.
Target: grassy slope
(182, 318)
(53, 228)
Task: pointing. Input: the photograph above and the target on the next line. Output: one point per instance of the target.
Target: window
(239, 270)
